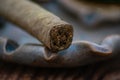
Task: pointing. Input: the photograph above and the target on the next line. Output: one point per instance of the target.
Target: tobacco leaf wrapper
(53, 32)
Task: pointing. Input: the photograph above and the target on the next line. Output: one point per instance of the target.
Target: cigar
(53, 32)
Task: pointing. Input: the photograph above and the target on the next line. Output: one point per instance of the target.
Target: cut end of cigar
(61, 37)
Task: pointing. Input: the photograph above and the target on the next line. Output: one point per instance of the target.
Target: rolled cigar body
(46, 27)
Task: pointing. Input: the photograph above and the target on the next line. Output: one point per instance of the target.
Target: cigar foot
(61, 37)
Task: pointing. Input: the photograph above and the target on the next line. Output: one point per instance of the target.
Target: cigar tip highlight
(61, 37)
